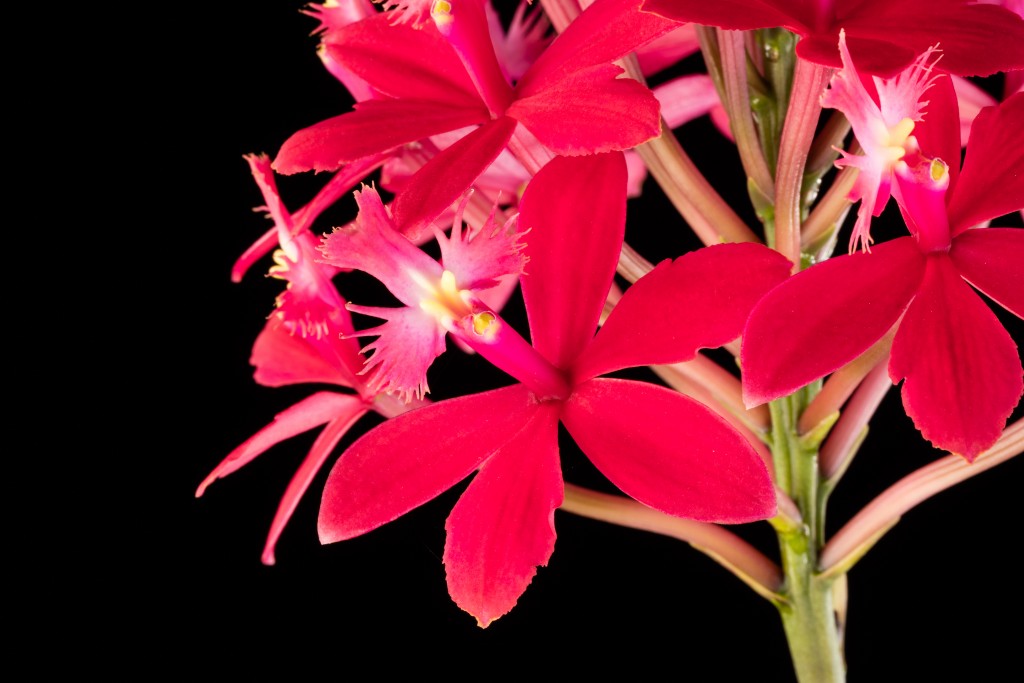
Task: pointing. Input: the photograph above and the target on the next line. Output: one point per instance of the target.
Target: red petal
(413, 458)
(591, 111)
(443, 179)
(605, 31)
(503, 526)
(731, 14)
(963, 376)
(824, 317)
(392, 60)
(574, 215)
(669, 452)
(992, 180)
(694, 302)
(312, 411)
(992, 259)
(314, 460)
(283, 358)
(374, 126)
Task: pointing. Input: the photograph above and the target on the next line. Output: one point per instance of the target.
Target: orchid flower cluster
(513, 149)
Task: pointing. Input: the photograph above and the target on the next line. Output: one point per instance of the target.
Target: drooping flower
(960, 369)
(434, 294)
(658, 446)
(883, 126)
(570, 98)
(884, 36)
(306, 340)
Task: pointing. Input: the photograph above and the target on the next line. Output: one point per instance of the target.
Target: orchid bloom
(434, 293)
(884, 36)
(660, 447)
(882, 128)
(570, 98)
(305, 340)
(961, 372)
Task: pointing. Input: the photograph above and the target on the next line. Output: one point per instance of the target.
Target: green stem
(808, 612)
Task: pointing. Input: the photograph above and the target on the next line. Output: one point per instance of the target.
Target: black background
(938, 598)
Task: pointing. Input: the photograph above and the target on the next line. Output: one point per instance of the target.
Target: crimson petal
(824, 317)
(962, 374)
(694, 302)
(410, 459)
(503, 526)
(669, 452)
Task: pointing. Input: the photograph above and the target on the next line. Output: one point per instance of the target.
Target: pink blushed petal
(480, 258)
(992, 259)
(443, 179)
(992, 179)
(664, 52)
(574, 215)
(391, 59)
(373, 244)
(590, 111)
(669, 452)
(694, 302)
(312, 411)
(604, 32)
(503, 526)
(374, 126)
(407, 344)
(282, 358)
(824, 317)
(411, 459)
(686, 98)
(962, 375)
(303, 477)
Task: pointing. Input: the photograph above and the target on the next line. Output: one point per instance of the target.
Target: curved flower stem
(828, 214)
(881, 514)
(724, 387)
(809, 82)
(851, 428)
(742, 559)
(841, 384)
(632, 266)
(823, 150)
(733, 53)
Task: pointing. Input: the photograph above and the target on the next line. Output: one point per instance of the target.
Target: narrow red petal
(962, 374)
(303, 477)
(374, 126)
(992, 259)
(574, 215)
(824, 317)
(411, 459)
(694, 302)
(503, 526)
(443, 179)
(310, 412)
(669, 452)
(731, 14)
(604, 32)
(992, 180)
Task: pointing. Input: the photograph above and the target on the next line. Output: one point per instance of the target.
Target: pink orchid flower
(307, 339)
(434, 293)
(961, 372)
(882, 123)
(570, 98)
(885, 36)
(658, 446)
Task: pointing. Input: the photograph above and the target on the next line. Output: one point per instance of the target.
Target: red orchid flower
(306, 341)
(961, 372)
(570, 98)
(658, 446)
(884, 35)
